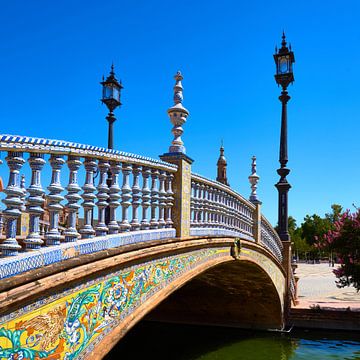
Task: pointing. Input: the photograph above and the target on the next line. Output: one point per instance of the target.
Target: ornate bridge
(150, 238)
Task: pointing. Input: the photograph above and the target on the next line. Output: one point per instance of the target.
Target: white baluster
(102, 196)
(72, 197)
(125, 196)
(35, 202)
(145, 225)
(114, 197)
(89, 197)
(136, 198)
(13, 203)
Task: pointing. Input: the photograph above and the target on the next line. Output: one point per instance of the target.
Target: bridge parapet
(144, 183)
(270, 239)
(115, 187)
(216, 209)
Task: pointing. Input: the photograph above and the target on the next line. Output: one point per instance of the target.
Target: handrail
(47, 146)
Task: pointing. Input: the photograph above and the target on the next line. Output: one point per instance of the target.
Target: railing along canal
(130, 196)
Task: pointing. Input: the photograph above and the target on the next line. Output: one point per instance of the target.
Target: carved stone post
(125, 196)
(35, 202)
(135, 225)
(170, 199)
(154, 199)
(54, 198)
(162, 199)
(89, 197)
(176, 155)
(145, 225)
(182, 192)
(72, 197)
(102, 196)
(254, 179)
(114, 197)
(13, 203)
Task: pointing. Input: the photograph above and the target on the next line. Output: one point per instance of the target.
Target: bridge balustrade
(106, 187)
(218, 210)
(270, 239)
(126, 193)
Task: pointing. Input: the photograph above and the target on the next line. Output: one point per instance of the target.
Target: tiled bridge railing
(218, 210)
(131, 196)
(145, 184)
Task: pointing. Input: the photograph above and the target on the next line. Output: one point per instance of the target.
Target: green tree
(314, 227)
(344, 240)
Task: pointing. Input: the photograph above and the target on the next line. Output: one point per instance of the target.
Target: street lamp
(111, 98)
(284, 59)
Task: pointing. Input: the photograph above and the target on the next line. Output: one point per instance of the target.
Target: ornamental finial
(254, 179)
(283, 42)
(178, 115)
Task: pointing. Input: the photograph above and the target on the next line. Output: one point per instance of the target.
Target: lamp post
(284, 59)
(111, 98)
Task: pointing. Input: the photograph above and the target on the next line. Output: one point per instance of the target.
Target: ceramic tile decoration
(68, 324)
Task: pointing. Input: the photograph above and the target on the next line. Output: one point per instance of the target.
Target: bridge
(127, 237)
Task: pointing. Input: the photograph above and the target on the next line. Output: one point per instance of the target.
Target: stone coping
(30, 260)
(34, 144)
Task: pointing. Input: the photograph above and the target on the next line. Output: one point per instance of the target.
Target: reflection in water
(182, 342)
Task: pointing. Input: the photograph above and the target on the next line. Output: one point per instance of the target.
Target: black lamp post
(111, 98)
(284, 59)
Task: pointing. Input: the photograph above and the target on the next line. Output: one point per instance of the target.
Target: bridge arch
(99, 301)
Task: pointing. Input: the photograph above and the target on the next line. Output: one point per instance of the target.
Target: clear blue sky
(53, 55)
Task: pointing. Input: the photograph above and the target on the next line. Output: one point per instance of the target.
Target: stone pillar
(182, 192)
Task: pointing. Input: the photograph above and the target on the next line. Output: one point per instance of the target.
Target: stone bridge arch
(81, 309)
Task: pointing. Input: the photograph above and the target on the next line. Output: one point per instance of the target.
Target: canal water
(182, 342)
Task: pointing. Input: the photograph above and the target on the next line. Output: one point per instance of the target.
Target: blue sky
(53, 55)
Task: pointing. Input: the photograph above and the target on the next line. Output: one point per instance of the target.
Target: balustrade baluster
(13, 203)
(195, 201)
(54, 198)
(102, 196)
(72, 197)
(170, 199)
(202, 205)
(35, 201)
(125, 196)
(162, 200)
(136, 196)
(114, 197)
(145, 225)
(154, 199)
(23, 196)
(87, 231)
(211, 207)
(192, 203)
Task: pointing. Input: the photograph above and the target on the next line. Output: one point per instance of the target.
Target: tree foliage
(344, 240)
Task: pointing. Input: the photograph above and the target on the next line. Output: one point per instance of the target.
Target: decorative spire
(178, 115)
(283, 43)
(221, 167)
(254, 179)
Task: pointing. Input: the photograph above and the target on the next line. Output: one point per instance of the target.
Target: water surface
(182, 342)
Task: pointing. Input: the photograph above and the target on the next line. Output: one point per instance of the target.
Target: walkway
(317, 286)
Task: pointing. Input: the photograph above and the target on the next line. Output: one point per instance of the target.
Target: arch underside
(91, 315)
(236, 293)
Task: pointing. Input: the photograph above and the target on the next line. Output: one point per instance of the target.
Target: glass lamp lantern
(111, 91)
(284, 59)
